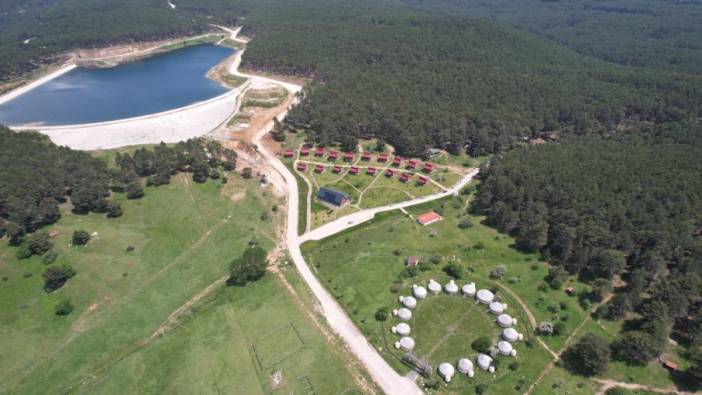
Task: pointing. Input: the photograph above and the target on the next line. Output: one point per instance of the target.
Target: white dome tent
(451, 288)
(497, 308)
(408, 301)
(446, 371)
(465, 366)
(505, 348)
(419, 292)
(401, 329)
(485, 363)
(434, 287)
(405, 344)
(484, 296)
(511, 335)
(403, 313)
(505, 321)
(468, 289)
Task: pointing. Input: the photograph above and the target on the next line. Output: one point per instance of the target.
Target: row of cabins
(412, 164)
(371, 171)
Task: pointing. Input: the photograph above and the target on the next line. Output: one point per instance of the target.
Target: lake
(163, 82)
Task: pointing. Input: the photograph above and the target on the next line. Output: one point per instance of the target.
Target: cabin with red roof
(289, 153)
(333, 155)
(366, 156)
(429, 218)
(337, 169)
(354, 170)
(319, 169)
(319, 151)
(390, 173)
(371, 171)
(348, 156)
(397, 161)
(304, 151)
(422, 180)
(428, 168)
(383, 158)
(412, 164)
(301, 166)
(405, 177)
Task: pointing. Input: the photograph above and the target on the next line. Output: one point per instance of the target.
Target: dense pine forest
(626, 207)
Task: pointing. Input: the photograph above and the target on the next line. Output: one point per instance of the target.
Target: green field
(183, 237)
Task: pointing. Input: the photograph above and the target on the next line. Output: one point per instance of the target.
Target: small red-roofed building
(422, 180)
(337, 169)
(371, 171)
(397, 161)
(333, 155)
(383, 158)
(354, 170)
(319, 169)
(289, 153)
(301, 166)
(304, 151)
(390, 173)
(428, 168)
(412, 164)
(319, 151)
(405, 177)
(366, 156)
(429, 218)
(348, 156)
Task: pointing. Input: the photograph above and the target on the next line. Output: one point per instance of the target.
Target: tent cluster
(464, 366)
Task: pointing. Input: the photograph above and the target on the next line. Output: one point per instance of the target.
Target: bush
(545, 328)
(23, 252)
(559, 329)
(616, 391)
(248, 268)
(637, 348)
(556, 277)
(395, 288)
(465, 224)
(410, 272)
(64, 307)
(80, 237)
(432, 384)
(114, 210)
(482, 345)
(513, 366)
(589, 356)
(49, 257)
(481, 389)
(56, 276)
(247, 173)
(381, 314)
(453, 270)
(134, 190)
(498, 272)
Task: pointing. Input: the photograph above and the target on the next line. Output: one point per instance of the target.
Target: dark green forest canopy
(36, 175)
(420, 79)
(653, 33)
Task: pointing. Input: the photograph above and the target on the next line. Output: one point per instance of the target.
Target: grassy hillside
(183, 236)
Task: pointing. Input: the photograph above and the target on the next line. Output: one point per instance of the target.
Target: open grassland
(183, 237)
(363, 269)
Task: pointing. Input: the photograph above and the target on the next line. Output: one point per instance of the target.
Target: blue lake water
(164, 82)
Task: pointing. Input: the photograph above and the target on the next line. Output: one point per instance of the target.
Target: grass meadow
(182, 238)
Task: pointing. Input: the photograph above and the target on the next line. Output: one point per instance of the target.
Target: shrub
(134, 190)
(616, 391)
(435, 259)
(23, 252)
(49, 257)
(80, 237)
(38, 243)
(248, 268)
(498, 272)
(589, 356)
(247, 172)
(481, 389)
(395, 288)
(513, 366)
(453, 270)
(465, 224)
(559, 329)
(114, 210)
(432, 384)
(381, 314)
(410, 272)
(545, 328)
(637, 348)
(64, 307)
(56, 276)
(482, 345)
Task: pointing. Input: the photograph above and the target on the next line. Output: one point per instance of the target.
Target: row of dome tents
(464, 365)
